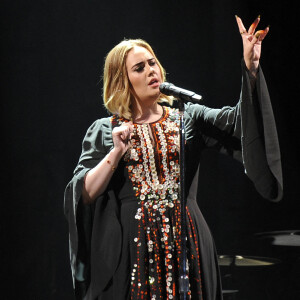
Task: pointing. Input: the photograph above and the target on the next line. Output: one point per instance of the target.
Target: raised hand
(252, 41)
(121, 136)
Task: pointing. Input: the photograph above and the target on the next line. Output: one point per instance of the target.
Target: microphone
(170, 89)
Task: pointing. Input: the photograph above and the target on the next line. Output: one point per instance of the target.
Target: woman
(122, 203)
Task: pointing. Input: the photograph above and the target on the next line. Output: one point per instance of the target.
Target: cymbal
(246, 261)
(229, 291)
(281, 238)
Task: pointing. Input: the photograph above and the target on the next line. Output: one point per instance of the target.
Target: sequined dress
(153, 169)
(127, 244)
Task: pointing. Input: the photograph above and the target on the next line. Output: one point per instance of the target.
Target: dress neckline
(162, 117)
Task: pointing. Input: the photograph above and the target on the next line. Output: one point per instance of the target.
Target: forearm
(252, 66)
(98, 178)
(252, 77)
(252, 69)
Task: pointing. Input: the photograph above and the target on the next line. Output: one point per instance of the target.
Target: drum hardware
(287, 243)
(290, 238)
(232, 263)
(246, 261)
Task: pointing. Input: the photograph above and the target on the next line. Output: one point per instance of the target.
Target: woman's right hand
(121, 137)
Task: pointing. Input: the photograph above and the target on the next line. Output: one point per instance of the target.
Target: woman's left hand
(252, 43)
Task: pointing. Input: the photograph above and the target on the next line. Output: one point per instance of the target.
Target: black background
(52, 55)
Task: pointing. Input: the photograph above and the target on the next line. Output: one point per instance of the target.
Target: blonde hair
(117, 95)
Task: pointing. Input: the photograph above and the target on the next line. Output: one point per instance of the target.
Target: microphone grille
(164, 87)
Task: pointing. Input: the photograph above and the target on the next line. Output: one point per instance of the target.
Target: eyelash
(141, 68)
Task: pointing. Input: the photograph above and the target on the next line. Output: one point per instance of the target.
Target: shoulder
(190, 107)
(194, 111)
(103, 124)
(191, 110)
(99, 133)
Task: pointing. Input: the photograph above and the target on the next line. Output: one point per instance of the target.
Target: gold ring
(242, 32)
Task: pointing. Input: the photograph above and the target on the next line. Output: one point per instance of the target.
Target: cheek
(159, 73)
(131, 80)
(135, 80)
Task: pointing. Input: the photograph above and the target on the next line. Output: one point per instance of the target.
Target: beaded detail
(153, 168)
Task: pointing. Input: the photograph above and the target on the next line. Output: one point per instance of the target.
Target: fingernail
(258, 17)
(236, 16)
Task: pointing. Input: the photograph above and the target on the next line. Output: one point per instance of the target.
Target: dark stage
(52, 55)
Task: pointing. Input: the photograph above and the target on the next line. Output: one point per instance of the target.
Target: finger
(257, 36)
(125, 134)
(240, 24)
(131, 127)
(262, 33)
(128, 125)
(119, 131)
(254, 25)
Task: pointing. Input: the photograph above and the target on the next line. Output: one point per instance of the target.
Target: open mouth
(153, 81)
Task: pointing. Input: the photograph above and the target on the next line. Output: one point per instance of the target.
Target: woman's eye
(139, 69)
(152, 62)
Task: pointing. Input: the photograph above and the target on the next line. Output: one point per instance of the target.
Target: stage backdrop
(51, 66)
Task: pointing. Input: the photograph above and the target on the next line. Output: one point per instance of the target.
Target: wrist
(252, 68)
(252, 73)
(115, 155)
(113, 158)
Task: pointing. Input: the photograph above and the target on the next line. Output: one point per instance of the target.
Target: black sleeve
(247, 132)
(95, 146)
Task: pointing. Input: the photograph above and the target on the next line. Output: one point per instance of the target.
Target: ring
(242, 32)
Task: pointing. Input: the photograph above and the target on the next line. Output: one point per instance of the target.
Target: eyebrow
(142, 62)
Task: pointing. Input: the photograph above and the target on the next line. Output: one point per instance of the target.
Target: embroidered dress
(153, 168)
(126, 244)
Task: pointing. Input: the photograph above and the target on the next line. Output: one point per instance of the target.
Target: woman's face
(144, 74)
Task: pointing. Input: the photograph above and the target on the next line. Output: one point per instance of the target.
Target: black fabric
(100, 252)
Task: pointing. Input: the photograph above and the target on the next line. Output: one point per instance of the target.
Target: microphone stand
(183, 279)
(184, 96)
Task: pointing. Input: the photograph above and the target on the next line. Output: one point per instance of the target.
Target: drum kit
(289, 239)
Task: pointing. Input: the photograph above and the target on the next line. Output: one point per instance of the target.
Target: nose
(151, 70)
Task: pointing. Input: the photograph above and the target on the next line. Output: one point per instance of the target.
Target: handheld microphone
(170, 89)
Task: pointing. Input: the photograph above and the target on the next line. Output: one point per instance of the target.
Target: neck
(146, 113)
